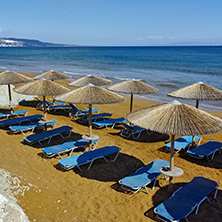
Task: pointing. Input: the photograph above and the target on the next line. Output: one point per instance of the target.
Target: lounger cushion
(47, 134)
(20, 119)
(144, 175)
(109, 121)
(205, 149)
(31, 126)
(88, 156)
(66, 146)
(186, 199)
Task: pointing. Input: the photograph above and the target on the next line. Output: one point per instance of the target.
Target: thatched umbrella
(197, 91)
(175, 119)
(132, 87)
(85, 80)
(42, 88)
(8, 77)
(52, 75)
(90, 94)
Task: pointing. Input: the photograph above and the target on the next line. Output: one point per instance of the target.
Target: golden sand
(93, 195)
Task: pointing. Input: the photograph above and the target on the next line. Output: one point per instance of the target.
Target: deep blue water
(166, 68)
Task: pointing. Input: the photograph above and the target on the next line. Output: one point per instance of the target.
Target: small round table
(176, 172)
(90, 138)
(45, 122)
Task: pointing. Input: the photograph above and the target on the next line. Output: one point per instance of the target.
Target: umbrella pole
(10, 98)
(44, 108)
(171, 160)
(131, 102)
(90, 125)
(197, 103)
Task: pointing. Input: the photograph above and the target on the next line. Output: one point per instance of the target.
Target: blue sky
(114, 22)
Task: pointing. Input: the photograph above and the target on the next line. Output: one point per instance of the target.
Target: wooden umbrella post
(197, 103)
(131, 102)
(90, 125)
(44, 107)
(10, 98)
(171, 160)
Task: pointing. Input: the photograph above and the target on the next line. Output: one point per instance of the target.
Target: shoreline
(92, 195)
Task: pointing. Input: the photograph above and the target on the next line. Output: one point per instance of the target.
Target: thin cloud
(149, 37)
(65, 12)
(3, 30)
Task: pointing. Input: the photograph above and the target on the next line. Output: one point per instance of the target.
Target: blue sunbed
(183, 142)
(207, 150)
(95, 117)
(53, 108)
(186, 199)
(109, 122)
(30, 126)
(48, 135)
(47, 103)
(75, 112)
(134, 131)
(89, 157)
(67, 147)
(143, 176)
(20, 120)
(14, 113)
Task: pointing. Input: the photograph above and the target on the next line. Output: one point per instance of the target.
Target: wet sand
(94, 195)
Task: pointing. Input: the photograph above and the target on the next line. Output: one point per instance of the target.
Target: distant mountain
(14, 42)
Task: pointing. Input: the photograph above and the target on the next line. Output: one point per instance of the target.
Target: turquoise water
(166, 68)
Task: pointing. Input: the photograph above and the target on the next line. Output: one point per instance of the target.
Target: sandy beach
(93, 195)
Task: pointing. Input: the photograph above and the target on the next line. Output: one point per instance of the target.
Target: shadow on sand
(108, 172)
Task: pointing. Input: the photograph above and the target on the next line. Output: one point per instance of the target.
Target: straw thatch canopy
(132, 86)
(90, 94)
(41, 88)
(176, 119)
(52, 75)
(197, 91)
(85, 80)
(9, 77)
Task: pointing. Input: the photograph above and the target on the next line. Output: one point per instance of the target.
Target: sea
(166, 68)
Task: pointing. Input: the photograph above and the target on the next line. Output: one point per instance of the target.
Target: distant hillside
(14, 42)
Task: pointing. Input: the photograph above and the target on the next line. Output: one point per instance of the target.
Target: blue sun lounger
(77, 113)
(30, 126)
(134, 131)
(47, 103)
(54, 108)
(48, 135)
(207, 150)
(183, 142)
(20, 120)
(14, 113)
(109, 122)
(95, 117)
(89, 157)
(67, 147)
(186, 199)
(143, 176)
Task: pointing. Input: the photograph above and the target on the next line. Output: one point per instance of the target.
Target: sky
(114, 22)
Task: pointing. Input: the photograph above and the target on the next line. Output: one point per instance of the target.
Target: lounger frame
(133, 131)
(195, 206)
(90, 161)
(71, 149)
(137, 189)
(49, 137)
